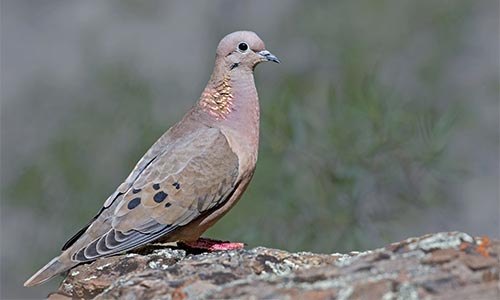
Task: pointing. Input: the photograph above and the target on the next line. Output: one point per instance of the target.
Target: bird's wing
(194, 174)
(160, 146)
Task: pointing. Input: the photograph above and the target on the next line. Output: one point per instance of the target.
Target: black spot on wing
(156, 186)
(160, 196)
(133, 203)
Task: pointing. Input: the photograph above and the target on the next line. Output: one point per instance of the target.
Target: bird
(191, 176)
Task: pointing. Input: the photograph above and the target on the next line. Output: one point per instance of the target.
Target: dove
(191, 176)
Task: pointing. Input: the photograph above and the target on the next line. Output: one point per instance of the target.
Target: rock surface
(449, 265)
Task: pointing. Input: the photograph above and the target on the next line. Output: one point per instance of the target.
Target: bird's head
(243, 49)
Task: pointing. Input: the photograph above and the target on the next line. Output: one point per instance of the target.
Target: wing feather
(194, 174)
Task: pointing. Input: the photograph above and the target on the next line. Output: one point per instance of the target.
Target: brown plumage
(191, 176)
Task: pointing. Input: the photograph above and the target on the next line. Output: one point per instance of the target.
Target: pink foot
(213, 245)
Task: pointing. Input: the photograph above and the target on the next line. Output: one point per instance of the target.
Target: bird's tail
(53, 268)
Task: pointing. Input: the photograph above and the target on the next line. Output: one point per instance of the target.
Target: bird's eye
(242, 47)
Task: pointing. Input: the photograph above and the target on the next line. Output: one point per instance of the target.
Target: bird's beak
(269, 56)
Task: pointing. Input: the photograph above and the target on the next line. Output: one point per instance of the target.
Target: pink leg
(213, 245)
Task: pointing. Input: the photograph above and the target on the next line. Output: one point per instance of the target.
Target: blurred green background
(380, 123)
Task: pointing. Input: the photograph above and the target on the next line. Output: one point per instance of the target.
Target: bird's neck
(231, 97)
(218, 97)
(230, 102)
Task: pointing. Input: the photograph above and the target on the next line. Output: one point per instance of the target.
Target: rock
(436, 266)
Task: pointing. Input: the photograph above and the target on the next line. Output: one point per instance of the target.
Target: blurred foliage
(333, 170)
(90, 136)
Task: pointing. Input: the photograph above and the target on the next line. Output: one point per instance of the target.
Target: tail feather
(53, 268)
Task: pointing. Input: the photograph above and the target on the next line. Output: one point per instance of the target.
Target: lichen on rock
(450, 265)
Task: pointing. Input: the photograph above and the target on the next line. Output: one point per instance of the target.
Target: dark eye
(242, 47)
